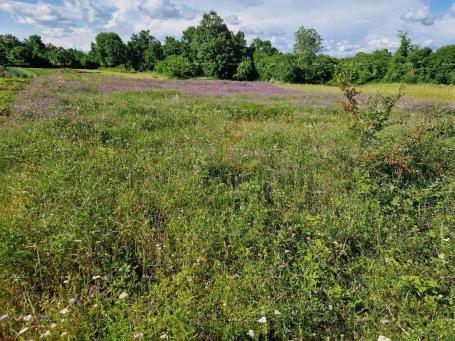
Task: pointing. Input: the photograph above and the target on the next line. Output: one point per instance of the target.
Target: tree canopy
(210, 49)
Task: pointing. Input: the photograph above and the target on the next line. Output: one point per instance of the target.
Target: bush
(246, 71)
(278, 67)
(176, 66)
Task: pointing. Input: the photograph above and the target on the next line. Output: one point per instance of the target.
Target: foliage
(109, 49)
(277, 67)
(307, 41)
(442, 65)
(213, 48)
(144, 51)
(263, 46)
(176, 66)
(172, 47)
(246, 71)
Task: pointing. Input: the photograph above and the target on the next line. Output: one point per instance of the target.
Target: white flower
(138, 336)
(250, 333)
(96, 277)
(277, 312)
(441, 256)
(163, 336)
(22, 331)
(123, 295)
(263, 320)
(53, 325)
(27, 318)
(330, 307)
(383, 338)
(46, 334)
(446, 239)
(4, 317)
(385, 321)
(64, 311)
(63, 334)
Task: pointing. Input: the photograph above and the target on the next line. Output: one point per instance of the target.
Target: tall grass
(159, 214)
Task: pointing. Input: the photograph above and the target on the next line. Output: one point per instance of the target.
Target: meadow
(134, 207)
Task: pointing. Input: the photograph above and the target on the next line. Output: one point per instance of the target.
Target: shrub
(176, 66)
(246, 71)
(278, 67)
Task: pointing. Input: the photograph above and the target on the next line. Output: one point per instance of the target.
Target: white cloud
(421, 15)
(232, 20)
(348, 26)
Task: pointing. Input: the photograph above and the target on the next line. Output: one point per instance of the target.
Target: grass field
(134, 209)
(432, 92)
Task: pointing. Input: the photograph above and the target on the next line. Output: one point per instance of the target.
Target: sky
(347, 26)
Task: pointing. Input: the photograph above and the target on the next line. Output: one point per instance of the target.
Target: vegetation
(211, 50)
(136, 210)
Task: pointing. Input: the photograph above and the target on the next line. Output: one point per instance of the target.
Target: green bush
(277, 67)
(246, 71)
(176, 66)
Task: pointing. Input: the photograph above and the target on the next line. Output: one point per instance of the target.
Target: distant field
(136, 207)
(433, 92)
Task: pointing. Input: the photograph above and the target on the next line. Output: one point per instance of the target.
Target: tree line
(211, 50)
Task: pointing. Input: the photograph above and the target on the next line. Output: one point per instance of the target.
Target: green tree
(172, 47)
(307, 41)
(400, 69)
(176, 66)
(36, 51)
(60, 57)
(18, 56)
(442, 65)
(153, 55)
(7, 43)
(138, 47)
(109, 50)
(264, 46)
(213, 48)
(246, 71)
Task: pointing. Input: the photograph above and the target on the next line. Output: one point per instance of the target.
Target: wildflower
(63, 334)
(330, 307)
(138, 336)
(385, 321)
(163, 336)
(96, 277)
(446, 239)
(250, 333)
(22, 331)
(53, 325)
(383, 338)
(27, 318)
(441, 256)
(277, 312)
(64, 311)
(46, 334)
(123, 295)
(4, 317)
(263, 320)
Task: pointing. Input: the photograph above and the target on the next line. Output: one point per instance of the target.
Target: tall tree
(153, 55)
(264, 46)
(109, 50)
(172, 47)
(138, 46)
(210, 45)
(36, 51)
(307, 41)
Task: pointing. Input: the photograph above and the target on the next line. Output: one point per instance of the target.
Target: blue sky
(347, 26)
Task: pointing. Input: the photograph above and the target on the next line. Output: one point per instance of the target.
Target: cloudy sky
(348, 26)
